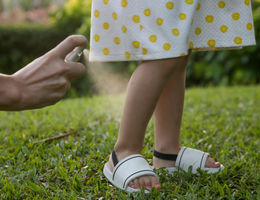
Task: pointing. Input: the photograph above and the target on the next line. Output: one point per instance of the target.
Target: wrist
(10, 93)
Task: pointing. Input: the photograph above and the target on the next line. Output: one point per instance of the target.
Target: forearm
(9, 94)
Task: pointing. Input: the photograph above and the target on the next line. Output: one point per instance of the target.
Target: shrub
(74, 17)
(22, 43)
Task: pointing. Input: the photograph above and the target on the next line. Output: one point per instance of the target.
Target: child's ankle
(124, 152)
(168, 149)
(159, 163)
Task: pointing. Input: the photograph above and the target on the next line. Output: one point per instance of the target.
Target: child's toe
(148, 183)
(142, 181)
(137, 184)
(131, 184)
(155, 183)
(211, 163)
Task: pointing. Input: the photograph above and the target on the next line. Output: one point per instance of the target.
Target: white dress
(124, 30)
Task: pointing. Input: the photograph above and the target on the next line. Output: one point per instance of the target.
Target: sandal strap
(194, 158)
(114, 158)
(165, 156)
(130, 168)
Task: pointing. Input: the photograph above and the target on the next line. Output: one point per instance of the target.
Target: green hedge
(21, 44)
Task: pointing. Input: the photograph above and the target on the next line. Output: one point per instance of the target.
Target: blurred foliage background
(20, 44)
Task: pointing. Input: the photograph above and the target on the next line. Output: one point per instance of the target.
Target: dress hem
(159, 55)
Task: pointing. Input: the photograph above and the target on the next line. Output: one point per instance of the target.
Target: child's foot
(148, 182)
(159, 163)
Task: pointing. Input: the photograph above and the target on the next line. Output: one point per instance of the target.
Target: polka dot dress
(125, 30)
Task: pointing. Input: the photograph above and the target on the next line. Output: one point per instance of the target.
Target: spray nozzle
(76, 55)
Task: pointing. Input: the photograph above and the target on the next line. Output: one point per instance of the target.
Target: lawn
(222, 121)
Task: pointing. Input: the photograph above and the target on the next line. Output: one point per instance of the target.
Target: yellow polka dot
(182, 16)
(175, 32)
(197, 30)
(136, 18)
(223, 28)
(141, 27)
(170, 5)
(127, 55)
(117, 40)
(198, 6)
(147, 12)
(114, 15)
(209, 19)
(166, 46)
(212, 43)
(235, 16)
(106, 51)
(191, 45)
(238, 40)
(153, 38)
(106, 1)
(182, 54)
(136, 44)
(96, 37)
(159, 21)
(189, 2)
(247, 2)
(96, 13)
(124, 29)
(221, 4)
(124, 3)
(249, 26)
(106, 25)
(144, 51)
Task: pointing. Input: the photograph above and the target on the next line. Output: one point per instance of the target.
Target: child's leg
(143, 92)
(168, 115)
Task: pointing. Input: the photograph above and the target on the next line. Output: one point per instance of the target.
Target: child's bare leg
(168, 116)
(144, 89)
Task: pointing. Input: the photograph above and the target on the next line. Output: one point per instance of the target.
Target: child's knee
(167, 67)
(163, 68)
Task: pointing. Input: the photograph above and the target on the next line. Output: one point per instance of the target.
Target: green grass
(222, 121)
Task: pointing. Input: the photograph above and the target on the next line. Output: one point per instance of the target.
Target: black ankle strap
(165, 156)
(114, 158)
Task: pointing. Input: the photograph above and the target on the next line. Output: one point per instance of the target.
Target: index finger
(70, 43)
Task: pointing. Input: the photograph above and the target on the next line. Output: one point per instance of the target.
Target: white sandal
(126, 170)
(186, 158)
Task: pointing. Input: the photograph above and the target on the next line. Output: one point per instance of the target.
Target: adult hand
(45, 81)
